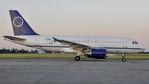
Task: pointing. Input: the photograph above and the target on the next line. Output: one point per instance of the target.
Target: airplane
(90, 46)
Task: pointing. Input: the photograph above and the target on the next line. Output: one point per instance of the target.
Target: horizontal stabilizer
(14, 38)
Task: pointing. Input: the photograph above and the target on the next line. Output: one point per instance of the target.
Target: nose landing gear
(123, 58)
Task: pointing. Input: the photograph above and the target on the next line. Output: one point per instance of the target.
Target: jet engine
(99, 53)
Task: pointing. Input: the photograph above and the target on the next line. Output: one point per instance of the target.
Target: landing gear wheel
(77, 58)
(123, 57)
(123, 60)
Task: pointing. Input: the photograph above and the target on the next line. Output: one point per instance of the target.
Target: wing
(14, 38)
(76, 46)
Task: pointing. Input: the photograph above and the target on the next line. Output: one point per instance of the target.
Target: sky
(124, 18)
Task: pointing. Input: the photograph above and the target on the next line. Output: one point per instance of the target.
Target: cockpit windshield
(134, 42)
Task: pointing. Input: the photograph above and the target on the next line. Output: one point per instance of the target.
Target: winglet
(55, 39)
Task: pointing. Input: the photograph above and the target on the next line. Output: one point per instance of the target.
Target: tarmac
(68, 71)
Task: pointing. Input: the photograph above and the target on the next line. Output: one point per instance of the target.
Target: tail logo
(18, 21)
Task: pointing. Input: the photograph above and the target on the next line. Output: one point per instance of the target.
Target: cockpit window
(134, 42)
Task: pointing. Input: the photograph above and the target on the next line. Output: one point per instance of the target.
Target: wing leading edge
(76, 46)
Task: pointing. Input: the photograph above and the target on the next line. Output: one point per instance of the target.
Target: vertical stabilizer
(20, 26)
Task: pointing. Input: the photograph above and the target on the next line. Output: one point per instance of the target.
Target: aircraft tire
(77, 58)
(123, 60)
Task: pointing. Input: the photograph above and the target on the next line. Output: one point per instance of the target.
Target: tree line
(14, 50)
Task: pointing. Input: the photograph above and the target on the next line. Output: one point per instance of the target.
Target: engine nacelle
(98, 53)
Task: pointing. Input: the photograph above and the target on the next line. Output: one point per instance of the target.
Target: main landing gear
(77, 58)
(123, 58)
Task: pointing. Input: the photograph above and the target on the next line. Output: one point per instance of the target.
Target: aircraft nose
(142, 48)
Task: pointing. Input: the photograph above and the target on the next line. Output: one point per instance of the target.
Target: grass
(40, 56)
(131, 57)
(35, 56)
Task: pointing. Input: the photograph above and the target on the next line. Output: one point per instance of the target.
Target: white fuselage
(113, 45)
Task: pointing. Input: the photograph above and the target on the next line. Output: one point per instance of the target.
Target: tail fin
(20, 26)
